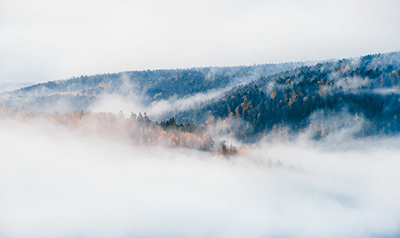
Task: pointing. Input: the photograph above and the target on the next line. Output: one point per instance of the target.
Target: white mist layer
(56, 183)
(115, 103)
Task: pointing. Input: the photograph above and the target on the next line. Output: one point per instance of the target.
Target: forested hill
(362, 93)
(146, 86)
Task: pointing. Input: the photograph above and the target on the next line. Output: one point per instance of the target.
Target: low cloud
(115, 103)
(56, 182)
(157, 109)
(174, 104)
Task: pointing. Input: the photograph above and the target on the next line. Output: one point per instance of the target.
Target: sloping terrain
(362, 93)
(142, 86)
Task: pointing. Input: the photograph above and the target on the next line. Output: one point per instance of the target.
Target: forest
(254, 101)
(147, 86)
(364, 90)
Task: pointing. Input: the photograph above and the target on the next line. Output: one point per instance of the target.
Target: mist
(61, 182)
(157, 109)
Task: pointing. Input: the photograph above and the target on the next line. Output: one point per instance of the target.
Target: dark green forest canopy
(367, 88)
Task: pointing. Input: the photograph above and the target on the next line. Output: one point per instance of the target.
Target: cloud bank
(56, 182)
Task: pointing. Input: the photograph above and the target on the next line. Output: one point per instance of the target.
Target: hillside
(361, 94)
(142, 86)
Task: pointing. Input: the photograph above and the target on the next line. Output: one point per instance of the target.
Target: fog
(156, 109)
(61, 182)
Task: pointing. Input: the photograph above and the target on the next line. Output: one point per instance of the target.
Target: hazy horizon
(43, 41)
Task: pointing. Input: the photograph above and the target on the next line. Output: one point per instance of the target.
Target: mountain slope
(324, 97)
(361, 94)
(143, 86)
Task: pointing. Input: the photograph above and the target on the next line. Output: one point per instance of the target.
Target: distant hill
(362, 92)
(361, 95)
(146, 86)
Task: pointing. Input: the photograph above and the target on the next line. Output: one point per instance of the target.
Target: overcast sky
(46, 40)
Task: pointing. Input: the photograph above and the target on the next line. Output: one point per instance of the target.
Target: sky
(47, 40)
